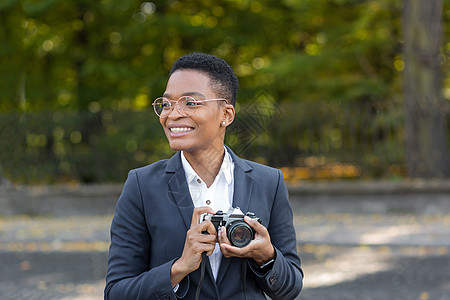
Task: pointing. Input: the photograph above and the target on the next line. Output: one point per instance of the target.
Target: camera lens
(240, 234)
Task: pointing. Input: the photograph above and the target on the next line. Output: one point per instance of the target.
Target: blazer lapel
(243, 184)
(179, 190)
(179, 193)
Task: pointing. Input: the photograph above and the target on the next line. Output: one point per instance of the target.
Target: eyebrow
(187, 94)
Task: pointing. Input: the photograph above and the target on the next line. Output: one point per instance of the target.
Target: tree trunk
(426, 139)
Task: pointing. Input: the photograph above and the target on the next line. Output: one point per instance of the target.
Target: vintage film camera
(239, 232)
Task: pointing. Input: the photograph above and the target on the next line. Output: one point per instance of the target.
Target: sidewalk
(353, 246)
(53, 257)
(374, 240)
(375, 256)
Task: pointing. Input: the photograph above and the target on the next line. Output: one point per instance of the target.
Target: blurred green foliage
(87, 147)
(77, 79)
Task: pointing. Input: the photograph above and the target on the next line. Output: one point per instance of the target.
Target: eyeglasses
(186, 105)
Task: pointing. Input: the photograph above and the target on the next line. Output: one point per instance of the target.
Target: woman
(157, 234)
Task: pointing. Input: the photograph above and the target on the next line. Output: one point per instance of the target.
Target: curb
(416, 196)
(415, 186)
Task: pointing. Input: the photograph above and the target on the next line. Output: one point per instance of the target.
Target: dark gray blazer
(149, 228)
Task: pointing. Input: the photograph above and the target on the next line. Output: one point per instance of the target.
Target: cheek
(162, 122)
(214, 118)
(210, 124)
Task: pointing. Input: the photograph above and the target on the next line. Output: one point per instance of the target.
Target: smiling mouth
(180, 129)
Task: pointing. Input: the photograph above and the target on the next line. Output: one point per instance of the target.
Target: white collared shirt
(219, 196)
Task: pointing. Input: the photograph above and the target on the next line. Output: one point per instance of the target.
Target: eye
(165, 104)
(191, 103)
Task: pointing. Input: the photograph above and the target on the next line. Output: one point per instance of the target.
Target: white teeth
(180, 129)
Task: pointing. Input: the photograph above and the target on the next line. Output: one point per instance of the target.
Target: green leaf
(5, 4)
(32, 7)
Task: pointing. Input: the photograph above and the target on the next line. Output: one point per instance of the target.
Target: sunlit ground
(375, 256)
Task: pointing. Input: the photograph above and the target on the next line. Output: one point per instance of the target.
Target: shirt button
(208, 202)
(199, 181)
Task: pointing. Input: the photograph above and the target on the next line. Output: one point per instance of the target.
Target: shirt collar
(226, 168)
(188, 171)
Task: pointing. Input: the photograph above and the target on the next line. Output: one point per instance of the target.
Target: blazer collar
(174, 163)
(178, 189)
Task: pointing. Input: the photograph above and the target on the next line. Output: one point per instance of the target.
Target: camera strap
(244, 276)
(202, 275)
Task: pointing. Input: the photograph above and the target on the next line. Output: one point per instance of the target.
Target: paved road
(53, 258)
(375, 256)
(345, 256)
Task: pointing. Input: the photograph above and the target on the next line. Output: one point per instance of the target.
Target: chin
(177, 146)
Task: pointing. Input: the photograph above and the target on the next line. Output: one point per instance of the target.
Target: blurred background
(350, 98)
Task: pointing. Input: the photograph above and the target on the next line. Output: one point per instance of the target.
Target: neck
(206, 163)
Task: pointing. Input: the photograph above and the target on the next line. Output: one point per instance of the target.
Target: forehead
(188, 82)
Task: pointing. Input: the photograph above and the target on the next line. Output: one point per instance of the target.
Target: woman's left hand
(260, 248)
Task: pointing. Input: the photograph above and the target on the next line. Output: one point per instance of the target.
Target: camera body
(239, 233)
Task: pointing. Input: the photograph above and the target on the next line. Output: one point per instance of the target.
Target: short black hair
(221, 74)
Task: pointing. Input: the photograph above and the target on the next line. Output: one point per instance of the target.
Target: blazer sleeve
(285, 279)
(129, 274)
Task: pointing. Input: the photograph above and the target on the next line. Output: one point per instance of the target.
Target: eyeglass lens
(186, 106)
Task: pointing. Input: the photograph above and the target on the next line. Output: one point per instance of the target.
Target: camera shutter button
(208, 202)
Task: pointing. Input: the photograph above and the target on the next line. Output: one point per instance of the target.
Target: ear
(228, 114)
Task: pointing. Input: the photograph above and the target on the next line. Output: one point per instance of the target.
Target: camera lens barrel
(240, 233)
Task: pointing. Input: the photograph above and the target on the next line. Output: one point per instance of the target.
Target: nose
(174, 112)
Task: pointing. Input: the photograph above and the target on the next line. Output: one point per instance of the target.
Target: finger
(195, 238)
(205, 243)
(204, 247)
(204, 238)
(231, 251)
(211, 229)
(225, 245)
(258, 227)
(209, 253)
(199, 211)
(205, 227)
(223, 236)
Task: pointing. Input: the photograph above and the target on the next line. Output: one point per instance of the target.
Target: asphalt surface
(53, 258)
(346, 254)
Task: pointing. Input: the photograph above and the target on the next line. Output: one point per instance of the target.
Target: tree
(426, 139)
(331, 71)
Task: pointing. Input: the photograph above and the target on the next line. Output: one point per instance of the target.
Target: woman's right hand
(196, 243)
